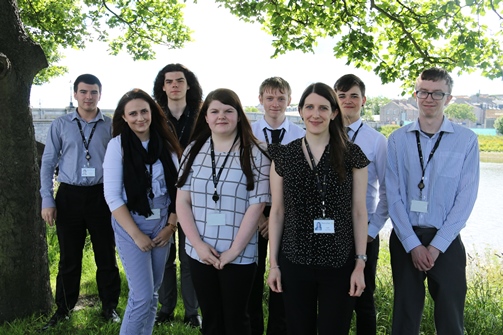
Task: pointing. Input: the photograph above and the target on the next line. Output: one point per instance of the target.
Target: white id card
(323, 226)
(88, 172)
(419, 206)
(156, 215)
(215, 219)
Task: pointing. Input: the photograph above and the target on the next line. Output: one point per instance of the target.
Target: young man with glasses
(433, 170)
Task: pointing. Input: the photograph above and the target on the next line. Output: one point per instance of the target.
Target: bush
(498, 125)
(388, 129)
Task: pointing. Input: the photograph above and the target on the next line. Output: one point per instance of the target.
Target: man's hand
(422, 258)
(434, 252)
(49, 215)
(263, 226)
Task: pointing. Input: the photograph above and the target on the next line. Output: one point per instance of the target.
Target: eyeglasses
(434, 95)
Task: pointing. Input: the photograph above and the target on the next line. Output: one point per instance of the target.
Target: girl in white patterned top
(223, 188)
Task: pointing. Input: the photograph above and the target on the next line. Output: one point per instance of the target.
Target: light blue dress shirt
(451, 182)
(64, 148)
(373, 145)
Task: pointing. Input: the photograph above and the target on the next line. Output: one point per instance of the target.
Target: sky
(225, 52)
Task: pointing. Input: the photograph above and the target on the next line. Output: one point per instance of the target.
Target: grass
(483, 310)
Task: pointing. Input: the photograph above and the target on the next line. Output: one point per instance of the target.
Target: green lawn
(483, 313)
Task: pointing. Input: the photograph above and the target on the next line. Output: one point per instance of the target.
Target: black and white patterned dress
(299, 243)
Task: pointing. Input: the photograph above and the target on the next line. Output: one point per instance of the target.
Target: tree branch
(495, 11)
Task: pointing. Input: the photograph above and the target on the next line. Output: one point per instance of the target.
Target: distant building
(398, 111)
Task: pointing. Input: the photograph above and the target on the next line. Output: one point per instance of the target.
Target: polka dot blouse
(302, 200)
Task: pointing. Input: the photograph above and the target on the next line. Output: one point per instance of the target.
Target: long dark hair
(159, 121)
(194, 95)
(202, 132)
(338, 137)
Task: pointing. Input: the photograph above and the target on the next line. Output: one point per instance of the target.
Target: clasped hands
(424, 258)
(210, 256)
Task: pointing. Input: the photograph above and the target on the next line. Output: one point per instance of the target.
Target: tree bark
(24, 273)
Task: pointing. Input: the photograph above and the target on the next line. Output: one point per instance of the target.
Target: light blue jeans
(144, 272)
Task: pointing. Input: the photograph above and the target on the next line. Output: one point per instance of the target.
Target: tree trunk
(24, 273)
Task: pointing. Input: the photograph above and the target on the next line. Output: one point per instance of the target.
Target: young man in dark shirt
(177, 91)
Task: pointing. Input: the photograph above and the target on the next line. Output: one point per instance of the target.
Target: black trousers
(81, 209)
(317, 300)
(276, 324)
(446, 284)
(365, 304)
(223, 297)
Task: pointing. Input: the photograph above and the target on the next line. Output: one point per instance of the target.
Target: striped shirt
(451, 181)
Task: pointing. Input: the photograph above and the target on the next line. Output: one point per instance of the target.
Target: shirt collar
(285, 125)
(99, 116)
(446, 126)
(355, 125)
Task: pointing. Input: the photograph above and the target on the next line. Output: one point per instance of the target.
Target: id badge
(419, 206)
(215, 219)
(88, 172)
(156, 214)
(323, 226)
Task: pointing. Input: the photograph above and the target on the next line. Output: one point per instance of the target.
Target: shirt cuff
(48, 202)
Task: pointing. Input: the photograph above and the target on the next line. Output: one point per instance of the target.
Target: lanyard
(184, 125)
(321, 186)
(356, 132)
(86, 143)
(280, 137)
(149, 178)
(216, 177)
(420, 152)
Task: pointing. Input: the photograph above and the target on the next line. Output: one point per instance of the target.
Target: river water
(484, 229)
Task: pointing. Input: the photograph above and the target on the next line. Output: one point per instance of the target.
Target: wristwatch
(362, 257)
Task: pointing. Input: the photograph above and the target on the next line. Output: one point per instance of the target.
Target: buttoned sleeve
(50, 159)
(379, 217)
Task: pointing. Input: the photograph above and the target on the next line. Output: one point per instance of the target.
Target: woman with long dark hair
(223, 188)
(318, 220)
(140, 172)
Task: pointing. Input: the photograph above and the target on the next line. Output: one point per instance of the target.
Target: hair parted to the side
(338, 136)
(158, 119)
(347, 81)
(275, 83)
(436, 74)
(194, 96)
(86, 79)
(202, 132)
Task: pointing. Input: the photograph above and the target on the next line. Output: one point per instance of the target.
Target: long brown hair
(202, 132)
(159, 120)
(338, 137)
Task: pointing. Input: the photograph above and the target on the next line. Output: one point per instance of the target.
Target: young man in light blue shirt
(76, 144)
(433, 172)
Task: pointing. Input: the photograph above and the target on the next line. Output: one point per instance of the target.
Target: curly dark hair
(194, 96)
